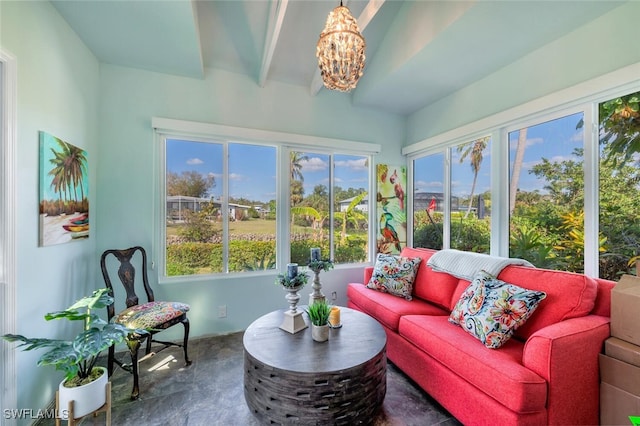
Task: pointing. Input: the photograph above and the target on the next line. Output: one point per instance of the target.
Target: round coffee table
(290, 378)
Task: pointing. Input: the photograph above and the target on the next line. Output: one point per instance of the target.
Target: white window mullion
(446, 225)
(591, 190)
(500, 193)
(283, 204)
(224, 205)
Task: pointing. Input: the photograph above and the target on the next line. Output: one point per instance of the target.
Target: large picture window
(225, 204)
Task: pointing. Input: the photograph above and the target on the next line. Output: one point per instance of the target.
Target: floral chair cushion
(394, 274)
(491, 310)
(151, 315)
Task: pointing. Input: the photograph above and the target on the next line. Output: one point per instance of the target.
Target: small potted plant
(84, 383)
(318, 313)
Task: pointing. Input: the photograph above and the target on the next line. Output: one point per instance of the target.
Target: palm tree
(317, 217)
(473, 149)
(60, 182)
(351, 214)
(297, 178)
(69, 167)
(76, 169)
(295, 165)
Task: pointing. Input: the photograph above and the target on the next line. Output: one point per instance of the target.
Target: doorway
(8, 103)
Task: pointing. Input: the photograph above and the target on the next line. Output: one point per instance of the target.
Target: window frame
(165, 128)
(582, 98)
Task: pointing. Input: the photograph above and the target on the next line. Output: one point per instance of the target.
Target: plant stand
(71, 421)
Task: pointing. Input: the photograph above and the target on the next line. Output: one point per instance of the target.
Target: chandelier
(340, 51)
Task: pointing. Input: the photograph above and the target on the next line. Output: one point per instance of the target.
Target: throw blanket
(465, 264)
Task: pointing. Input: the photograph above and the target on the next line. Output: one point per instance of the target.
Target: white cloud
(359, 164)
(194, 161)
(237, 177)
(313, 164)
(422, 185)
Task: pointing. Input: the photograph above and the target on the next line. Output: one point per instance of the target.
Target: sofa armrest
(368, 271)
(566, 355)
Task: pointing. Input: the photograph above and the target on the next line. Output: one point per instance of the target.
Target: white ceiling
(417, 51)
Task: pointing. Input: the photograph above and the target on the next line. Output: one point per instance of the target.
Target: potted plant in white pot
(318, 313)
(84, 382)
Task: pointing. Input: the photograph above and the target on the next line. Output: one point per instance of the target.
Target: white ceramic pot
(320, 333)
(86, 398)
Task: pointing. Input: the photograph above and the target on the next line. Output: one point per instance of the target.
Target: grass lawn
(252, 226)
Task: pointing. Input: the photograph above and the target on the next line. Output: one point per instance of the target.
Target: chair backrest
(127, 274)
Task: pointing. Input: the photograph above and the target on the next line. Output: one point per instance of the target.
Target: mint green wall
(107, 110)
(57, 93)
(126, 156)
(603, 45)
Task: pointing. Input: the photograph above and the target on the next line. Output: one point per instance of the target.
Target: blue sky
(253, 175)
(554, 140)
(252, 168)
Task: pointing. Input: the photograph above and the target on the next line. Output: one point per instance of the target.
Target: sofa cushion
(498, 373)
(435, 287)
(491, 310)
(569, 295)
(394, 274)
(386, 308)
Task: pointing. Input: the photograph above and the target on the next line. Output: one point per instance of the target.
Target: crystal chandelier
(340, 51)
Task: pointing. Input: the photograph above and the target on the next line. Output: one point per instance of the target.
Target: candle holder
(293, 321)
(316, 266)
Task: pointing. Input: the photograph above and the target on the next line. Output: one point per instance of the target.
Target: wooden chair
(153, 316)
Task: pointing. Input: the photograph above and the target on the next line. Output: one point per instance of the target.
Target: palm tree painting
(64, 185)
(390, 202)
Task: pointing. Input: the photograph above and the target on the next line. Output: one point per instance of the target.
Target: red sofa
(547, 373)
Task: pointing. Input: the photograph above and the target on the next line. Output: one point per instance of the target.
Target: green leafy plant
(78, 357)
(318, 313)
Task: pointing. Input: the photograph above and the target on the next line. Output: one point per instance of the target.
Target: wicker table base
(292, 379)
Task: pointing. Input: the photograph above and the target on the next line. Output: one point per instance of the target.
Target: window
(565, 180)
(329, 206)
(470, 195)
(237, 200)
(619, 196)
(469, 198)
(546, 191)
(428, 201)
(219, 213)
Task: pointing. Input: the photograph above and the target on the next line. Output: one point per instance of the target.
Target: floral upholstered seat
(152, 315)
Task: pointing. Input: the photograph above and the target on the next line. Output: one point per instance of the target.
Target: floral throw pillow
(394, 274)
(491, 310)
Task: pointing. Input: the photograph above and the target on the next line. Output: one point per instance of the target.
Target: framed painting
(391, 183)
(64, 191)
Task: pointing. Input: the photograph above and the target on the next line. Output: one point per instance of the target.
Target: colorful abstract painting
(391, 183)
(64, 191)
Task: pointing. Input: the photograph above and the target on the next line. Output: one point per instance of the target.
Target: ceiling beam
(274, 26)
(369, 11)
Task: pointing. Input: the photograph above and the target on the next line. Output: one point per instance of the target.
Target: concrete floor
(210, 391)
